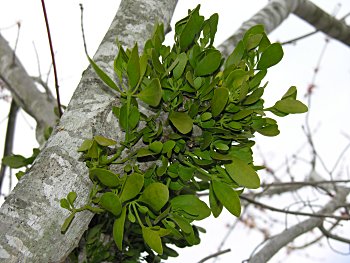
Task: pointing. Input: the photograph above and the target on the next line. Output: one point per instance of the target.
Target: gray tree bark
(24, 91)
(31, 217)
(276, 11)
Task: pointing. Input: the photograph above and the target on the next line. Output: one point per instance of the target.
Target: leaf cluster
(212, 106)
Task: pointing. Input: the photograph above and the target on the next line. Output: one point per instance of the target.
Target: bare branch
(277, 242)
(214, 255)
(328, 234)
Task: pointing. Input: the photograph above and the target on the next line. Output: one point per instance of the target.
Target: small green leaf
(228, 197)
(291, 93)
(118, 229)
(134, 117)
(271, 56)
(111, 203)
(236, 55)
(132, 187)
(270, 130)
(215, 205)
(85, 145)
(209, 63)
(168, 146)
(156, 195)
(143, 152)
(290, 105)
(123, 117)
(103, 76)
(133, 67)
(106, 177)
(254, 97)
(182, 223)
(192, 205)
(156, 147)
(103, 141)
(179, 69)
(65, 204)
(253, 41)
(14, 161)
(152, 94)
(156, 64)
(71, 197)
(219, 101)
(243, 174)
(152, 239)
(67, 223)
(182, 121)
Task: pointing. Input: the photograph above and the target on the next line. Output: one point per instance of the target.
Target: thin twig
(215, 255)
(82, 27)
(10, 131)
(275, 209)
(304, 183)
(53, 60)
(16, 43)
(328, 234)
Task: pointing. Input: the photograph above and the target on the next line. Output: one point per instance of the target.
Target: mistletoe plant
(203, 111)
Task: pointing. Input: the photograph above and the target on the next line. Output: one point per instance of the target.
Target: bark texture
(31, 217)
(24, 91)
(276, 11)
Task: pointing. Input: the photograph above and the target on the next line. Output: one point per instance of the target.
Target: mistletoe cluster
(197, 137)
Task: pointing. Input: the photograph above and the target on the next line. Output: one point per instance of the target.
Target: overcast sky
(330, 103)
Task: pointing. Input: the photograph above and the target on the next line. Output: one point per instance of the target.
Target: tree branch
(24, 91)
(10, 131)
(277, 242)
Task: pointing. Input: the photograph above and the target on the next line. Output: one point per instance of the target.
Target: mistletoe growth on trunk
(194, 134)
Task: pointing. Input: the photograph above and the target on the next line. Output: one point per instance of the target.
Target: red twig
(53, 59)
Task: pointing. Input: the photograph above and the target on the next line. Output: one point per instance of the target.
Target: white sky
(329, 112)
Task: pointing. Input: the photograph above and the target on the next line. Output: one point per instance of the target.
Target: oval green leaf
(228, 197)
(182, 121)
(271, 56)
(133, 67)
(290, 105)
(111, 203)
(132, 187)
(156, 195)
(152, 94)
(209, 63)
(192, 205)
(106, 177)
(219, 100)
(103, 141)
(152, 239)
(243, 174)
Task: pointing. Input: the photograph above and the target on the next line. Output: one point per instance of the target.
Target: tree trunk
(31, 216)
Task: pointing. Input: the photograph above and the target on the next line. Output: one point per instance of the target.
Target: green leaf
(182, 121)
(67, 223)
(219, 101)
(270, 130)
(180, 67)
(134, 117)
(290, 105)
(133, 67)
(123, 117)
(65, 204)
(156, 195)
(143, 152)
(228, 197)
(291, 93)
(168, 146)
(103, 141)
(152, 94)
(106, 177)
(156, 64)
(118, 229)
(14, 161)
(152, 239)
(213, 23)
(271, 56)
(132, 187)
(236, 55)
(254, 97)
(192, 205)
(103, 76)
(71, 197)
(215, 205)
(243, 174)
(156, 147)
(182, 223)
(191, 29)
(253, 41)
(85, 145)
(209, 63)
(111, 203)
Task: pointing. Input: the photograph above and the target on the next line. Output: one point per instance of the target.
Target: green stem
(137, 215)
